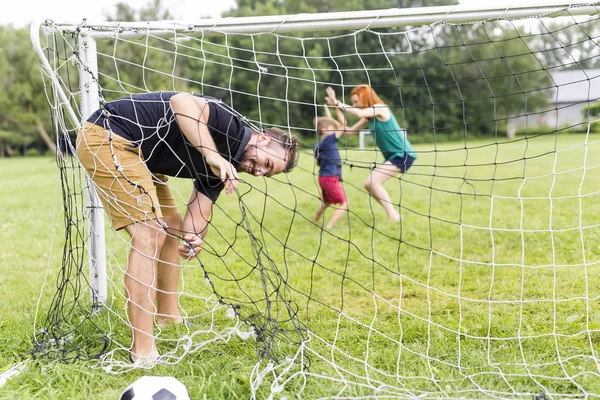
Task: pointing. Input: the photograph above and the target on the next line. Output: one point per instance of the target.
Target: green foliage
(473, 74)
(33, 152)
(476, 75)
(593, 110)
(594, 127)
(23, 103)
(591, 113)
(555, 45)
(137, 65)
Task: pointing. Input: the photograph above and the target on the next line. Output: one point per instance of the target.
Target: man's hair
(324, 124)
(291, 144)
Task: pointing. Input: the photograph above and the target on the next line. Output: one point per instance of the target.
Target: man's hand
(192, 114)
(191, 247)
(224, 170)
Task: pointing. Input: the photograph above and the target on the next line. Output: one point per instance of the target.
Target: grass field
(489, 287)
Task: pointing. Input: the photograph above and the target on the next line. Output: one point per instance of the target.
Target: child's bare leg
(319, 213)
(337, 214)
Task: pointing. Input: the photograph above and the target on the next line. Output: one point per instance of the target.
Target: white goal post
(89, 102)
(363, 133)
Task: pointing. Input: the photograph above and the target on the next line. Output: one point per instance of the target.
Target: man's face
(261, 159)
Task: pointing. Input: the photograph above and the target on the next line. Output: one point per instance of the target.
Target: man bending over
(129, 147)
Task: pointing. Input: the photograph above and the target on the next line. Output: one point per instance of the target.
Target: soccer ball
(155, 388)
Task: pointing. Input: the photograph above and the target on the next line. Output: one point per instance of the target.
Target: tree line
(442, 81)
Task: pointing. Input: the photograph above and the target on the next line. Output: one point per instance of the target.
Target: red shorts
(333, 192)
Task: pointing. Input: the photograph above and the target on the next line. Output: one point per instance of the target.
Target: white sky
(21, 12)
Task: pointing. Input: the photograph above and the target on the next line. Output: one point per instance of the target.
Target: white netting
(487, 287)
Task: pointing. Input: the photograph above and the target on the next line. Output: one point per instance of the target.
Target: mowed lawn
(488, 287)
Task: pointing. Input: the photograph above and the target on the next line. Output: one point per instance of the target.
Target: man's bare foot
(163, 322)
(141, 360)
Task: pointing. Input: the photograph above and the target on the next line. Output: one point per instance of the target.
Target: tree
(591, 113)
(24, 118)
(454, 76)
(438, 86)
(569, 45)
(473, 78)
(295, 71)
(140, 64)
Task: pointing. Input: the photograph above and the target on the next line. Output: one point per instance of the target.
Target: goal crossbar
(342, 20)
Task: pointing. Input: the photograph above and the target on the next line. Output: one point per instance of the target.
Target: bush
(594, 127)
(550, 130)
(32, 152)
(536, 131)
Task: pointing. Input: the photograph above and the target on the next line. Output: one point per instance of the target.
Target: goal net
(487, 286)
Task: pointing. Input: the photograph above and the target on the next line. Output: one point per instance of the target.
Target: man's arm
(195, 224)
(191, 113)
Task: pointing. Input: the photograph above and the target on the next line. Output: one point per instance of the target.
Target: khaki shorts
(132, 194)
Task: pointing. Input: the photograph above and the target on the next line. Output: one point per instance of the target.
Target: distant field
(490, 286)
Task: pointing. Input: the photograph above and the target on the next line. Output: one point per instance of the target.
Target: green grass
(492, 280)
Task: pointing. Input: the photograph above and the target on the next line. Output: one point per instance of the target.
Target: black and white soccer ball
(155, 388)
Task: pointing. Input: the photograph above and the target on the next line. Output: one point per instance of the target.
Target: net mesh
(488, 285)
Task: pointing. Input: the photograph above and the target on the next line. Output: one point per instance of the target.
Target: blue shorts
(404, 163)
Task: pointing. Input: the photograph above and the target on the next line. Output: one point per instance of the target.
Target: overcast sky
(21, 12)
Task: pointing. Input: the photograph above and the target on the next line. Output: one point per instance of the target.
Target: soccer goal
(488, 286)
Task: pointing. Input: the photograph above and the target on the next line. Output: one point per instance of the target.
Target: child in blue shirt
(330, 164)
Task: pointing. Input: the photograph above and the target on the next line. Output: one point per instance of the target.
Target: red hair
(366, 96)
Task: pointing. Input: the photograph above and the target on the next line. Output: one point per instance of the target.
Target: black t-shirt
(147, 121)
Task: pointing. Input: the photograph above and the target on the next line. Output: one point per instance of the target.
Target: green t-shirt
(389, 138)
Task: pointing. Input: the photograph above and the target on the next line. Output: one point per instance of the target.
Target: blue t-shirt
(328, 157)
(147, 121)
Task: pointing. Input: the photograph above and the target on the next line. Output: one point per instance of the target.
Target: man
(129, 147)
